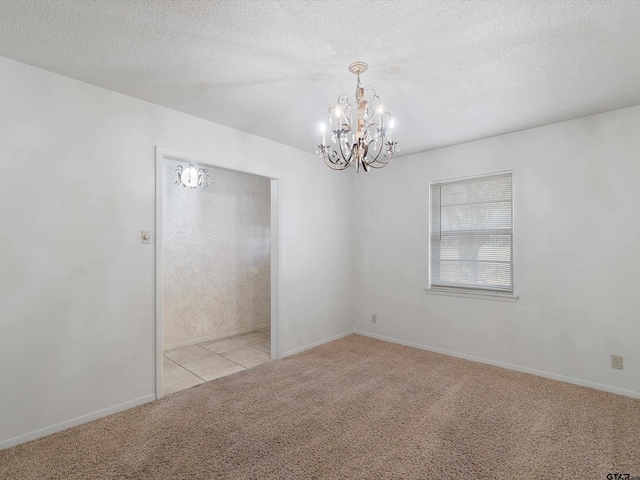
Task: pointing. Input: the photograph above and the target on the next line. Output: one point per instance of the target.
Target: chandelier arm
(331, 164)
(353, 156)
(377, 155)
(382, 163)
(344, 118)
(374, 96)
(380, 150)
(389, 154)
(332, 167)
(365, 150)
(348, 160)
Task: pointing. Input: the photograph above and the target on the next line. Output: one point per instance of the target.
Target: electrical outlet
(374, 319)
(616, 362)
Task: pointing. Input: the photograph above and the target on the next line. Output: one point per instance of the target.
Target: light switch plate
(146, 236)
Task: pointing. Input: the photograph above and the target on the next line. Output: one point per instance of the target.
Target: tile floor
(192, 365)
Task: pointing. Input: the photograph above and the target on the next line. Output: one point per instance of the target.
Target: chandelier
(192, 177)
(368, 142)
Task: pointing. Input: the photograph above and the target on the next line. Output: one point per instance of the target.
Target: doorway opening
(216, 272)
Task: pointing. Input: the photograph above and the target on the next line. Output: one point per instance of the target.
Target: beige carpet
(354, 408)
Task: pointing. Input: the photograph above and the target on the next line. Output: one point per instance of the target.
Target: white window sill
(498, 297)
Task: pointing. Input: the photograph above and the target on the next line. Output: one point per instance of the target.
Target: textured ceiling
(450, 71)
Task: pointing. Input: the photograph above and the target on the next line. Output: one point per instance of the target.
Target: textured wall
(212, 239)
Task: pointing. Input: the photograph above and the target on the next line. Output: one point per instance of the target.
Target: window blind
(472, 233)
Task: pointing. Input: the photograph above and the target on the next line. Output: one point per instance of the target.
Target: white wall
(577, 252)
(76, 284)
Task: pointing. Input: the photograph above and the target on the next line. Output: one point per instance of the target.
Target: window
(472, 234)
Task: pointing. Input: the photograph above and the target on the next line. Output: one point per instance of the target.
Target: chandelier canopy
(367, 142)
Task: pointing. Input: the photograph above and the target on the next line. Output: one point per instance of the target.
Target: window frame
(471, 292)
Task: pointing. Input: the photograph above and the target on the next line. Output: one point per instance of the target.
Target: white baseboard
(74, 421)
(315, 344)
(237, 331)
(509, 366)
